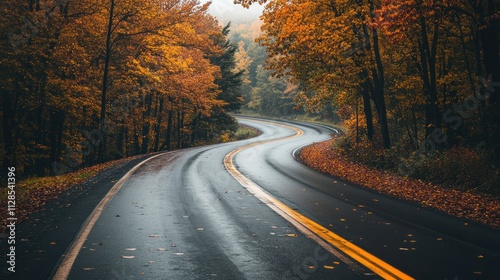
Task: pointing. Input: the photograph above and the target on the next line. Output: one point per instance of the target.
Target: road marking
(306, 225)
(64, 269)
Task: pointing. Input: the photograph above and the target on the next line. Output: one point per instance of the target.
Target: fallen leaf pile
(482, 208)
(33, 194)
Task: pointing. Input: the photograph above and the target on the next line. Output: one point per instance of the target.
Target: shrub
(365, 152)
(459, 167)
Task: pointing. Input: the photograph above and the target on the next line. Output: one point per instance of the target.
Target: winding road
(250, 210)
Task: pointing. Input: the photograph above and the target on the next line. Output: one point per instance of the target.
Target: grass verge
(245, 132)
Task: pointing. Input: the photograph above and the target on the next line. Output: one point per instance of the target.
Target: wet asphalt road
(182, 216)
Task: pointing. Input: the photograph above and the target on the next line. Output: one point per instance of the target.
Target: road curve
(181, 215)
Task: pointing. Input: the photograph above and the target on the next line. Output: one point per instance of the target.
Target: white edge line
(295, 153)
(66, 265)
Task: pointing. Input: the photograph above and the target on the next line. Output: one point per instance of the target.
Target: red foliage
(482, 208)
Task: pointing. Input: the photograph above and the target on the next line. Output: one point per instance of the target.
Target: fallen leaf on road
(328, 267)
(128, 257)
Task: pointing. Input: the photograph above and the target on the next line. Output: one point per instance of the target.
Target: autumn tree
(243, 63)
(43, 89)
(417, 78)
(87, 81)
(311, 42)
(445, 42)
(263, 94)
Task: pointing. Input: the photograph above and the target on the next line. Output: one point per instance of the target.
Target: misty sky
(226, 11)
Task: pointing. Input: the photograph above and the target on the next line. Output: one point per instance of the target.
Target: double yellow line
(366, 259)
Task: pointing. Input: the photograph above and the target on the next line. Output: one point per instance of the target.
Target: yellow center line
(368, 260)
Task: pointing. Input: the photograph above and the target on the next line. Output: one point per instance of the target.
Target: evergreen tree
(230, 80)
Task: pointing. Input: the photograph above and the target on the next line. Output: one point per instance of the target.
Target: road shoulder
(43, 238)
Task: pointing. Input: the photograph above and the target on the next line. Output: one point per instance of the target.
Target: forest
(415, 84)
(84, 82)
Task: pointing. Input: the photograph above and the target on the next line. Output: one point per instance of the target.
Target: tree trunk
(107, 57)
(491, 59)
(367, 108)
(357, 122)
(168, 134)
(145, 124)
(158, 124)
(40, 131)
(179, 130)
(428, 75)
(137, 139)
(56, 133)
(121, 138)
(379, 90)
(379, 99)
(194, 126)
